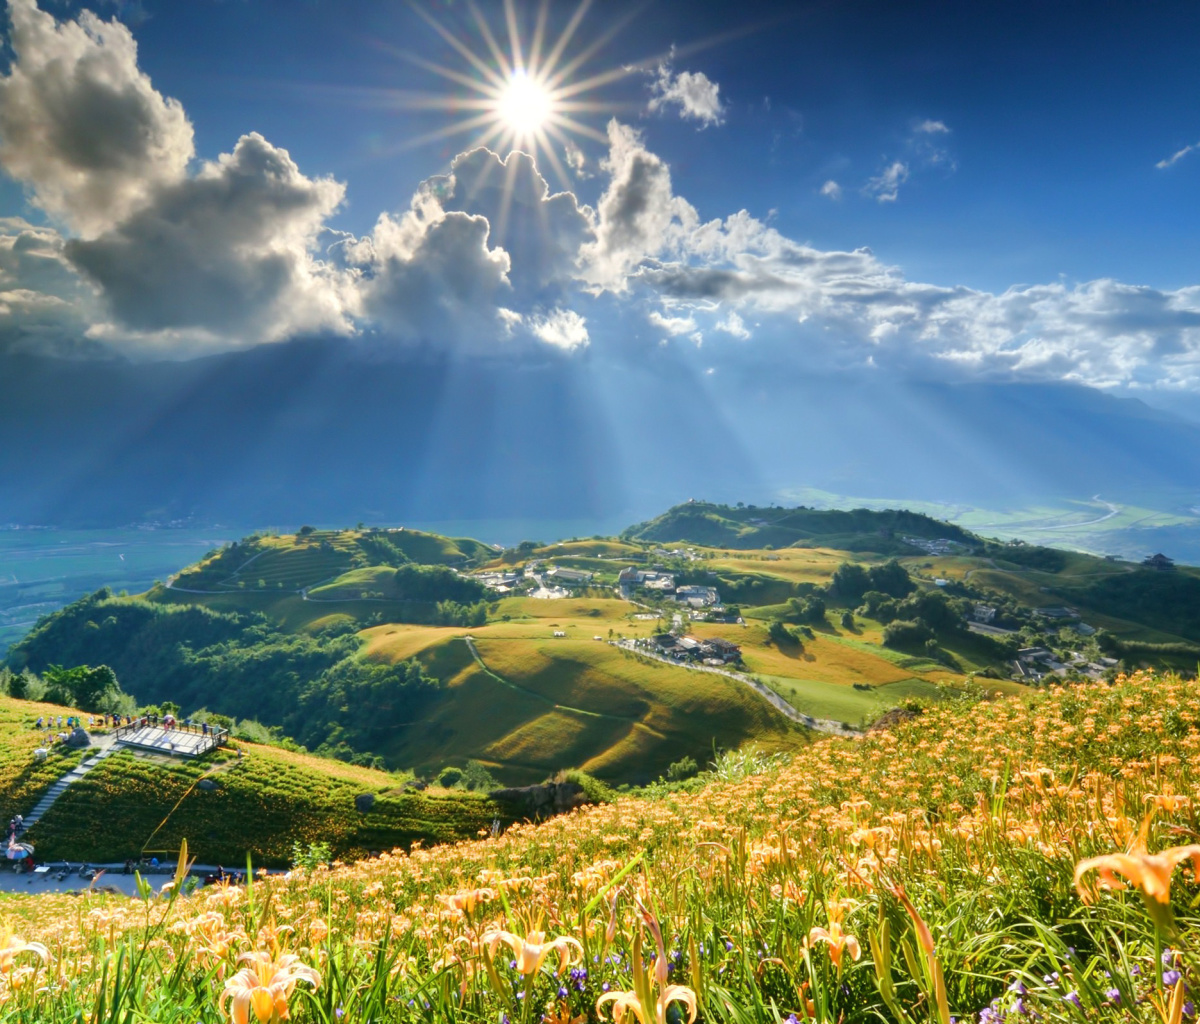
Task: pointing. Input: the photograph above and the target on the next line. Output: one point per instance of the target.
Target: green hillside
(350, 648)
(750, 527)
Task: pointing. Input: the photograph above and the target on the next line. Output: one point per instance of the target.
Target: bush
(906, 633)
(684, 768)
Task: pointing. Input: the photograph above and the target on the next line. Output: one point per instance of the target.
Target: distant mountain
(315, 431)
(746, 528)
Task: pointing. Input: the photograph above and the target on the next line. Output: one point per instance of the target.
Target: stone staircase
(73, 776)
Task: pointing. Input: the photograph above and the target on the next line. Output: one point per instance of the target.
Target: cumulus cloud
(542, 232)
(1175, 157)
(885, 186)
(672, 325)
(930, 127)
(734, 325)
(692, 93)
(637, 216)
(222, 257)
(80, 125)
(831, 190)
(563, 328)
(44, 307)
(429, 276)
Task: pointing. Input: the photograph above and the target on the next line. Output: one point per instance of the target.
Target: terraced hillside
(349, 647)
(225, 805)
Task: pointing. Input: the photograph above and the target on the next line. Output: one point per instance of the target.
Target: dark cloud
(541, 232)
(226, 254)
(80, 125)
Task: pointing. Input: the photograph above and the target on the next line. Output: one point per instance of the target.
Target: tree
(82, 687)
(847, 619)
(850, 581)
(779, 634)
(891, 578)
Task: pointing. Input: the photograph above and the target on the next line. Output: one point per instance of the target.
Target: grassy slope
(261, 804)
(22, 778)
(974, 815)
(543, 703)
(559, 702)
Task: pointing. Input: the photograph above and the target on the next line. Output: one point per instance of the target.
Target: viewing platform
(178, 740)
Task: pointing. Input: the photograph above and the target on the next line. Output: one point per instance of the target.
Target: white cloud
(563, 328)
(831, 190)
(577, 160)
(1175, 157)
(734, 325)
(929, 127)
(885, 186)
(225, 256)
(673, 325)
(430, 277)
(637, 216)
(80, 125)
(44, 307)
(693, 93)
(542, 232)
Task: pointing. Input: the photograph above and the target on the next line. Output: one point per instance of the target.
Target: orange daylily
(838, 942)
(264, 987)
(1149, 873)
(531, 952)
(640, 1001)
(11, 945)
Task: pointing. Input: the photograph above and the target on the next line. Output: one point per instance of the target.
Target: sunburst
(517, 97)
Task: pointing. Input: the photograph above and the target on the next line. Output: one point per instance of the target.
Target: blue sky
(1000, 162)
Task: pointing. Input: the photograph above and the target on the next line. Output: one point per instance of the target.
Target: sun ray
(450, 130)
(563, 121)
(520, 93)
(563, 73)
(514, 37)
(539, 38)
(506, 70)
(453, 76)
(567, 33)
(475, 61)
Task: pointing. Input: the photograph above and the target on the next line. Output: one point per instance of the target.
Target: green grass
(260, 805)
(539, 705)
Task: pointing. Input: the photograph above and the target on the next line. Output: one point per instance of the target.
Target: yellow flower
(531, 952)
(467, 901)
(1150, 873)
(641, 1001)
(11, 945)
(265, 987)
(838, 942)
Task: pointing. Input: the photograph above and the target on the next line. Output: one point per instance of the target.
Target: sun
(525, 105)
(528, 97)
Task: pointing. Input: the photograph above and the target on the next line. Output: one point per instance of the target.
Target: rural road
(764, 691)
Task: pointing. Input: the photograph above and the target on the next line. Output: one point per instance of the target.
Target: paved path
(764, 691)
(104, 746)
(173, 742)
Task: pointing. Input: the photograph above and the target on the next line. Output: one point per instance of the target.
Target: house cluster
(1034, 663)
(714, 651)
(560, 577)
(693, 595)
(1160, 562)
(501, 582)
(940, 546)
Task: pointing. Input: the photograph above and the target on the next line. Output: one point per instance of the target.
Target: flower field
(1029, 859)
(259, 804)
